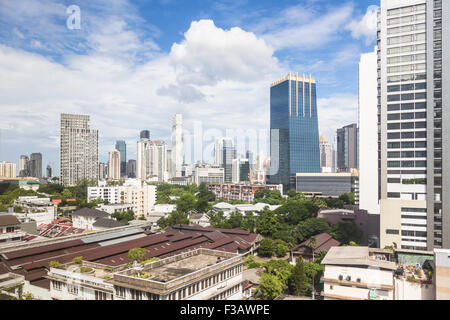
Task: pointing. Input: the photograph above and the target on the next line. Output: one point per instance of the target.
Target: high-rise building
(78, 149)
(177, 146)
(142, 158)
(218, 152)
(326, 155)
(228, 155)
(8, 169)
(102, 171)
(368, 134)
(35, 165)
(122, 147)
(49, 172)
(24, 166)
(240, 170)
(414, 138)
(294, 130)
(157, 152)
(114, 165)
(347, 148)
(131, 168)
(145, 134)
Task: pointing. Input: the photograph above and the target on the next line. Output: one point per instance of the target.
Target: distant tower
(121, 146)
(114, 165)
(36, 165)
(177, 146)
(49, 172)
(145, 134)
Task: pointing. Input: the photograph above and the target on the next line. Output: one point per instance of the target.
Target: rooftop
(8, 220)
(87, 212)
(360, 256)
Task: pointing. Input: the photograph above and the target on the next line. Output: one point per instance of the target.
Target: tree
(312, 245)
(346, 231)
(137, 254)
(292, 193)
(282, 269)
(313, 272)
(249, 222)
(348, 198)
(297, 282)
(267, 223)
(320, 256)
(310, 227)
(202, 205)
(281, 248)
(186, 202)
(270, 286)
(266, 248)
(77, 260)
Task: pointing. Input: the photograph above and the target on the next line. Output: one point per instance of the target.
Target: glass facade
(122, 148)
(294, 130)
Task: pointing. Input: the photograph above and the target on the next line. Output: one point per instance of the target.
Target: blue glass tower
(294, 130)
(121, 146)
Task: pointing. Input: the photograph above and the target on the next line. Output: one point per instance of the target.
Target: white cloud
(366, 27)
(209, 54)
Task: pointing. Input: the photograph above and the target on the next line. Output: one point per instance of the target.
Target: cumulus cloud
(366, 27)
(209, 54)
(182, 93)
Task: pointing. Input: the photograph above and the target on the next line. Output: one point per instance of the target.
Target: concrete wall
(405, 290)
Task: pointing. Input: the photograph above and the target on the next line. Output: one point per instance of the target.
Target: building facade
(368, 134)
(244, 192)
(121, 146)
(294, 129)
(177, 146)
(327, 184)
(114, 165)
(209, 174)
(131, 169)
(35, 165)
(347, 148)
(78, 149)
(413, 68)
(326, 155)
(8, 169)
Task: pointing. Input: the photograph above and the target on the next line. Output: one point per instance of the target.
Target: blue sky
(133, 64)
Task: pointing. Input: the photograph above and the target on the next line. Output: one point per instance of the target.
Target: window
(393, 164)
(421, 105)
(407, 135)
(391, 231)
(407, 106)
(100, 295)
(394, 195)
(56, 285)
(72, 289)
(406, 145)
(407, 116)
(393, 135)
(393, 126)
(408, 125)
(395, 116)
(393, 107)
(393, 145)
(120, 291)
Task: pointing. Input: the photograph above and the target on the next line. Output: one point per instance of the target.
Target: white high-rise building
(218, 152)
(141, 159)
(326, 155)
(413, 72)
(114, 165)
(157, 152)
(177, 146)
(8, 170)
(78, 149)
(368, 134)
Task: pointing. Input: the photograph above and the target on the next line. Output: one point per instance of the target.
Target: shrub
(85, 269)
(54, 264)
(77, 260)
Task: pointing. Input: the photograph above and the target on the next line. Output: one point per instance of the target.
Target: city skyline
(119, 111)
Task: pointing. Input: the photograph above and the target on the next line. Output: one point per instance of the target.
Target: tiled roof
(107, 223)
(87, 212)
(8, 220)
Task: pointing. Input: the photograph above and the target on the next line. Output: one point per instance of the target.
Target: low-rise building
(324, 242)
(209, 174)
(10, 228)
(243, 192)
(227, 208)
(42, 210)
(201, 219)
(114, 208)
(86, 217)
(327, 184)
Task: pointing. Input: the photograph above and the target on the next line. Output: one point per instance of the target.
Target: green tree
(249, 222)
(292, 193)
(266, 248)
(346, 231)
(297, 282)
(270, 286)
(310, 227)
(281, 248)
(348, 198)
(294, 211)
(267, 224)
(78, 260)
(202, 205)
(186, 202)
(137, 254)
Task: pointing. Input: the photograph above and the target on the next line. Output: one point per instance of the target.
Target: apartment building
(42, 210)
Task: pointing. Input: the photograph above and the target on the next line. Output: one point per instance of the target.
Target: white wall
(368, 134)
(405, 290)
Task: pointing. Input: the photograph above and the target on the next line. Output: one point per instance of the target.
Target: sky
(132, 64)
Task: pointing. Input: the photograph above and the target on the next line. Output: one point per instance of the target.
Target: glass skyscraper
(294, 130)
(121, 146)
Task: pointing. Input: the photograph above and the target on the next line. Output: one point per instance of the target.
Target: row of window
(407, 164)
(406, 116)
(407, 19)
(407, 38)
(408, 28)
(407, 68)
(224, 295)
(407, 154)
(414, 217)
(406, 125)
(406, 106)
(406, 10)
(407, 58)
(406, 49)
(407, 77)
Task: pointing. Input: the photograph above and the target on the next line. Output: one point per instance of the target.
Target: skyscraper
(228, 155)
(177, 145)
(24, 166)
(35, 165)
(49, 172)
(114, 165)
(218, 152)
(131, 168)
(122, 147)
(326, 155)
(368, 134)
(157, 152)
(8, 169)
(142, 158)
(347, 148)
(294, 130)
(414, 141)
(78, 149)
(145, 134)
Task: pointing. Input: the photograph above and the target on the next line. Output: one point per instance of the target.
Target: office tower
(294, 130)
(218, 152)
(114, 165)
(131, 169)
(251, 161)
(8, 169)
(157, 162)
(368, 134)
(177, 145)
(24, 166)
(35, 165)
(240, 170)
(101, 171)
(347, 148)
(326, 155)
(78, 149)
(228, 155)
(169, 161)
(145, 134)
(122, 147)
(49, 171)
(413, 39)
(142, 158)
